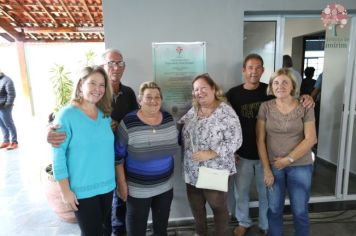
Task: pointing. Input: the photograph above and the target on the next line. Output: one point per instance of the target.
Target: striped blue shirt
(147, 154)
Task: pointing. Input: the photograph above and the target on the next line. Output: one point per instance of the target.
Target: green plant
(62, 86)
(89, 58)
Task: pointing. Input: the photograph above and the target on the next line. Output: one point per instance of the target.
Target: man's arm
(317, 87)
(11, 93)
(314, 94)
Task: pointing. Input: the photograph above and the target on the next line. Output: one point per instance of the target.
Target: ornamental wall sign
(334, 16)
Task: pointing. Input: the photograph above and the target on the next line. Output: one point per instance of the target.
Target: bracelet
(290, 159)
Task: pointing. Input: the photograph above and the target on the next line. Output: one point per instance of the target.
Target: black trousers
(94, 215)
(138, 210)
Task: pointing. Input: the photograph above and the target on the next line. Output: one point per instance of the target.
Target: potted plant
(62, 87)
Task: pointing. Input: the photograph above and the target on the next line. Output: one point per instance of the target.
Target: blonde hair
(219, 94)
(105, 102)
(148, 85)
(285, 72)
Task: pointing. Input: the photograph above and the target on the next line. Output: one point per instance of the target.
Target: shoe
(5, 145)
(263, 231)
(12, 146)
(240, 231)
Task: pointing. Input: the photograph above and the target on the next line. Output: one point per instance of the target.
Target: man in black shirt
(245, 100)
(124, 98)
(124, 101)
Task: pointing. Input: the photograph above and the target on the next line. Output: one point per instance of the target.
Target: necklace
(203, 114)
(149, 122)
(153, 129)
(209, 111)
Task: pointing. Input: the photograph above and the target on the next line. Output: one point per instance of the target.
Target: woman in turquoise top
(84, 164)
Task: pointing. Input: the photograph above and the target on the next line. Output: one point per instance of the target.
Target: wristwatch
(290, 159)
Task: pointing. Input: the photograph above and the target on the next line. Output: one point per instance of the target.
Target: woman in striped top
(146, 141)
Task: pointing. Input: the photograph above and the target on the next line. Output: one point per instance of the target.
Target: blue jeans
(246, 171)
(232, 196)
(7, 125)
(297, 181)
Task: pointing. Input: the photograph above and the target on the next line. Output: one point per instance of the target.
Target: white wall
(133, 25)
(298, 27)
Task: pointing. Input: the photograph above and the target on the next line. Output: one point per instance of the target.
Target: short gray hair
(110, 50)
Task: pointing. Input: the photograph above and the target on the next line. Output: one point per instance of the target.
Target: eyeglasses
(116, 63)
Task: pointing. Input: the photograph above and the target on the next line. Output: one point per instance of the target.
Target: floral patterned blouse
(220, 132)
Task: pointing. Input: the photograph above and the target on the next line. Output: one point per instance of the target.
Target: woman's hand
(114, 124)
(69, 198)
(122, 190)
(268, 177)
(281, 162)
(203, 155)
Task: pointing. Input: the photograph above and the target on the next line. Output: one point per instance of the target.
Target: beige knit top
(285, 131)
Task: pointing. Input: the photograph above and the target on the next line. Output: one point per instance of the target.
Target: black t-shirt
(246, 104)
(307, 86)
(123, 103)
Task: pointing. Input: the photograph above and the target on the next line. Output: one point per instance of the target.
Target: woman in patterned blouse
(212, 134)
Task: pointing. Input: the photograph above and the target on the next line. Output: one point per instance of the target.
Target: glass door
(349, 122)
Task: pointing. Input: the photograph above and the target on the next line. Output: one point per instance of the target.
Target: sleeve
(309, 115)
(133, 100)
(121, 143)
(228, 96)
(228, 135)
(11, 93)
(317, 84)
(187, 116)
(60, 168)
(262, 112)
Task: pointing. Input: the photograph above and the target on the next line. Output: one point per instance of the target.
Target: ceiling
(51, 20)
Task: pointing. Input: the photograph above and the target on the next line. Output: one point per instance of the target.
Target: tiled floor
(24, 209)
